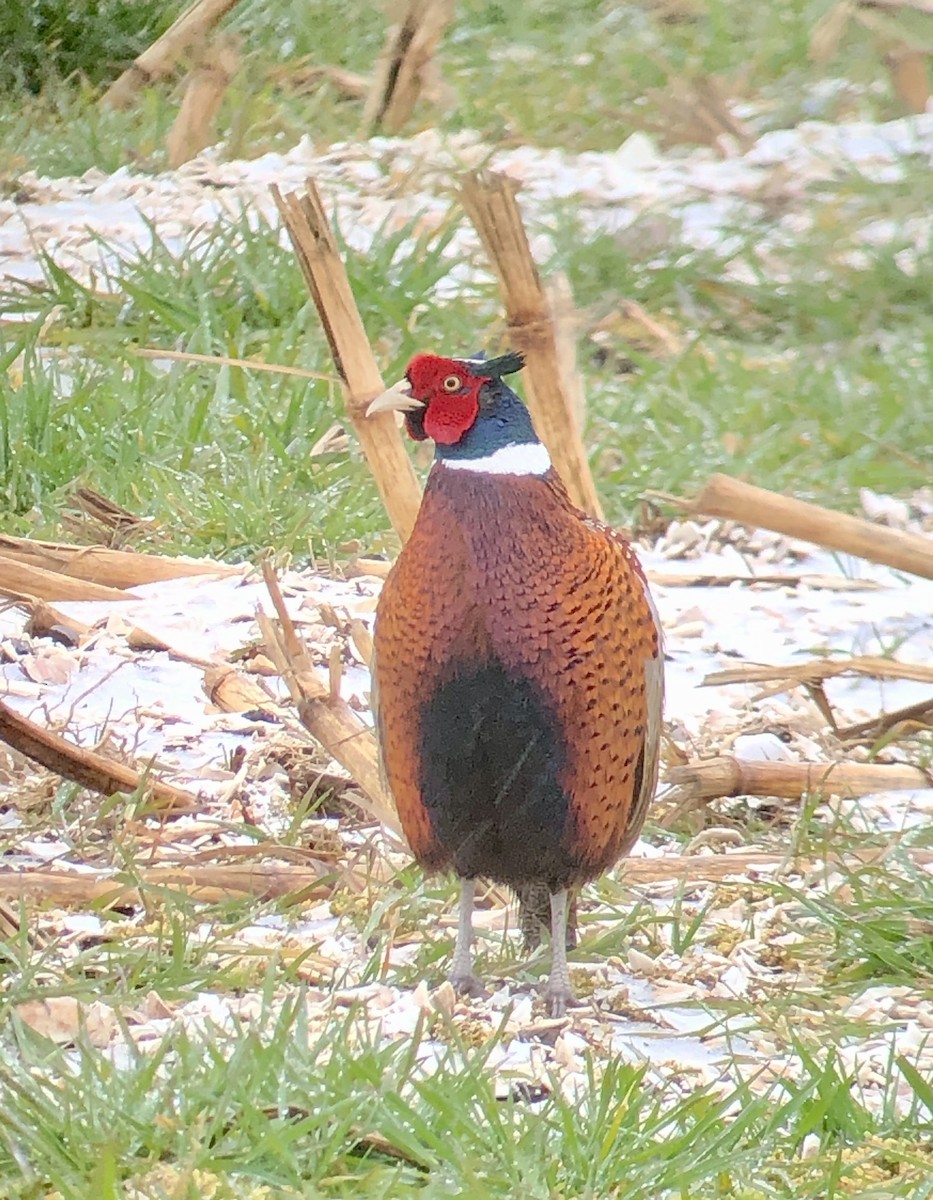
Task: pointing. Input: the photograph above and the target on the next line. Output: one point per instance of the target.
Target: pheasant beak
(397, 398)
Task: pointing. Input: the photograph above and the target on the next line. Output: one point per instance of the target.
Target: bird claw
(466, 984)
(557, 995)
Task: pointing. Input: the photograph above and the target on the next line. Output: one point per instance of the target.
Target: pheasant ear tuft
(505, 364)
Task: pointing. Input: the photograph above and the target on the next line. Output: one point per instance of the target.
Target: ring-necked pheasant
(517, 676)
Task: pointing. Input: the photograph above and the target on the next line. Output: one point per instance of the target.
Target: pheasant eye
(452, 383)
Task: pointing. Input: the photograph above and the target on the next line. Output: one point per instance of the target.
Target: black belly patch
(491, 754)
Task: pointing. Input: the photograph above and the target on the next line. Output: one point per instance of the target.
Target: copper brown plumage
(517, 661)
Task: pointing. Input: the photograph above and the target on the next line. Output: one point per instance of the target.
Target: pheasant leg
(461, 965)
(558, 993)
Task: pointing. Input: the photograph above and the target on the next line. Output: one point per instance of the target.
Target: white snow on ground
(155, 701)
(387, 182)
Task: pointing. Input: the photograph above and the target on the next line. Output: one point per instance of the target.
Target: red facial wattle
(449, 417)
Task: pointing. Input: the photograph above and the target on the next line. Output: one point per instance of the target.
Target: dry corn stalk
(162, 55)
(729, 776)
(560, 302)
(825, 583)
(378, 567)
(111, 523)
(406, 67)
(818, 669)
(901, 720)
(231, 690)
(225, 360)
(194, 127)
(326, 277)
(828, 32)
(726, 497)
(328, 718)
(909, 76)
(697, 112)
(210, 884)
(489, 200)
(304, 76)
(86, 767)
(100, 565)
(23, 582)
(46, 621)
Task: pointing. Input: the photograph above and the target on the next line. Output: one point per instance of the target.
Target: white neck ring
(524, 458)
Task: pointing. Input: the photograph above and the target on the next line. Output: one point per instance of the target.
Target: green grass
(795, 384)
(303, 1100)
(301, 1108)
(814, 382)
(220, 457)
(43, 41)
(580, 73)
(881, 931)
(292, 1106)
